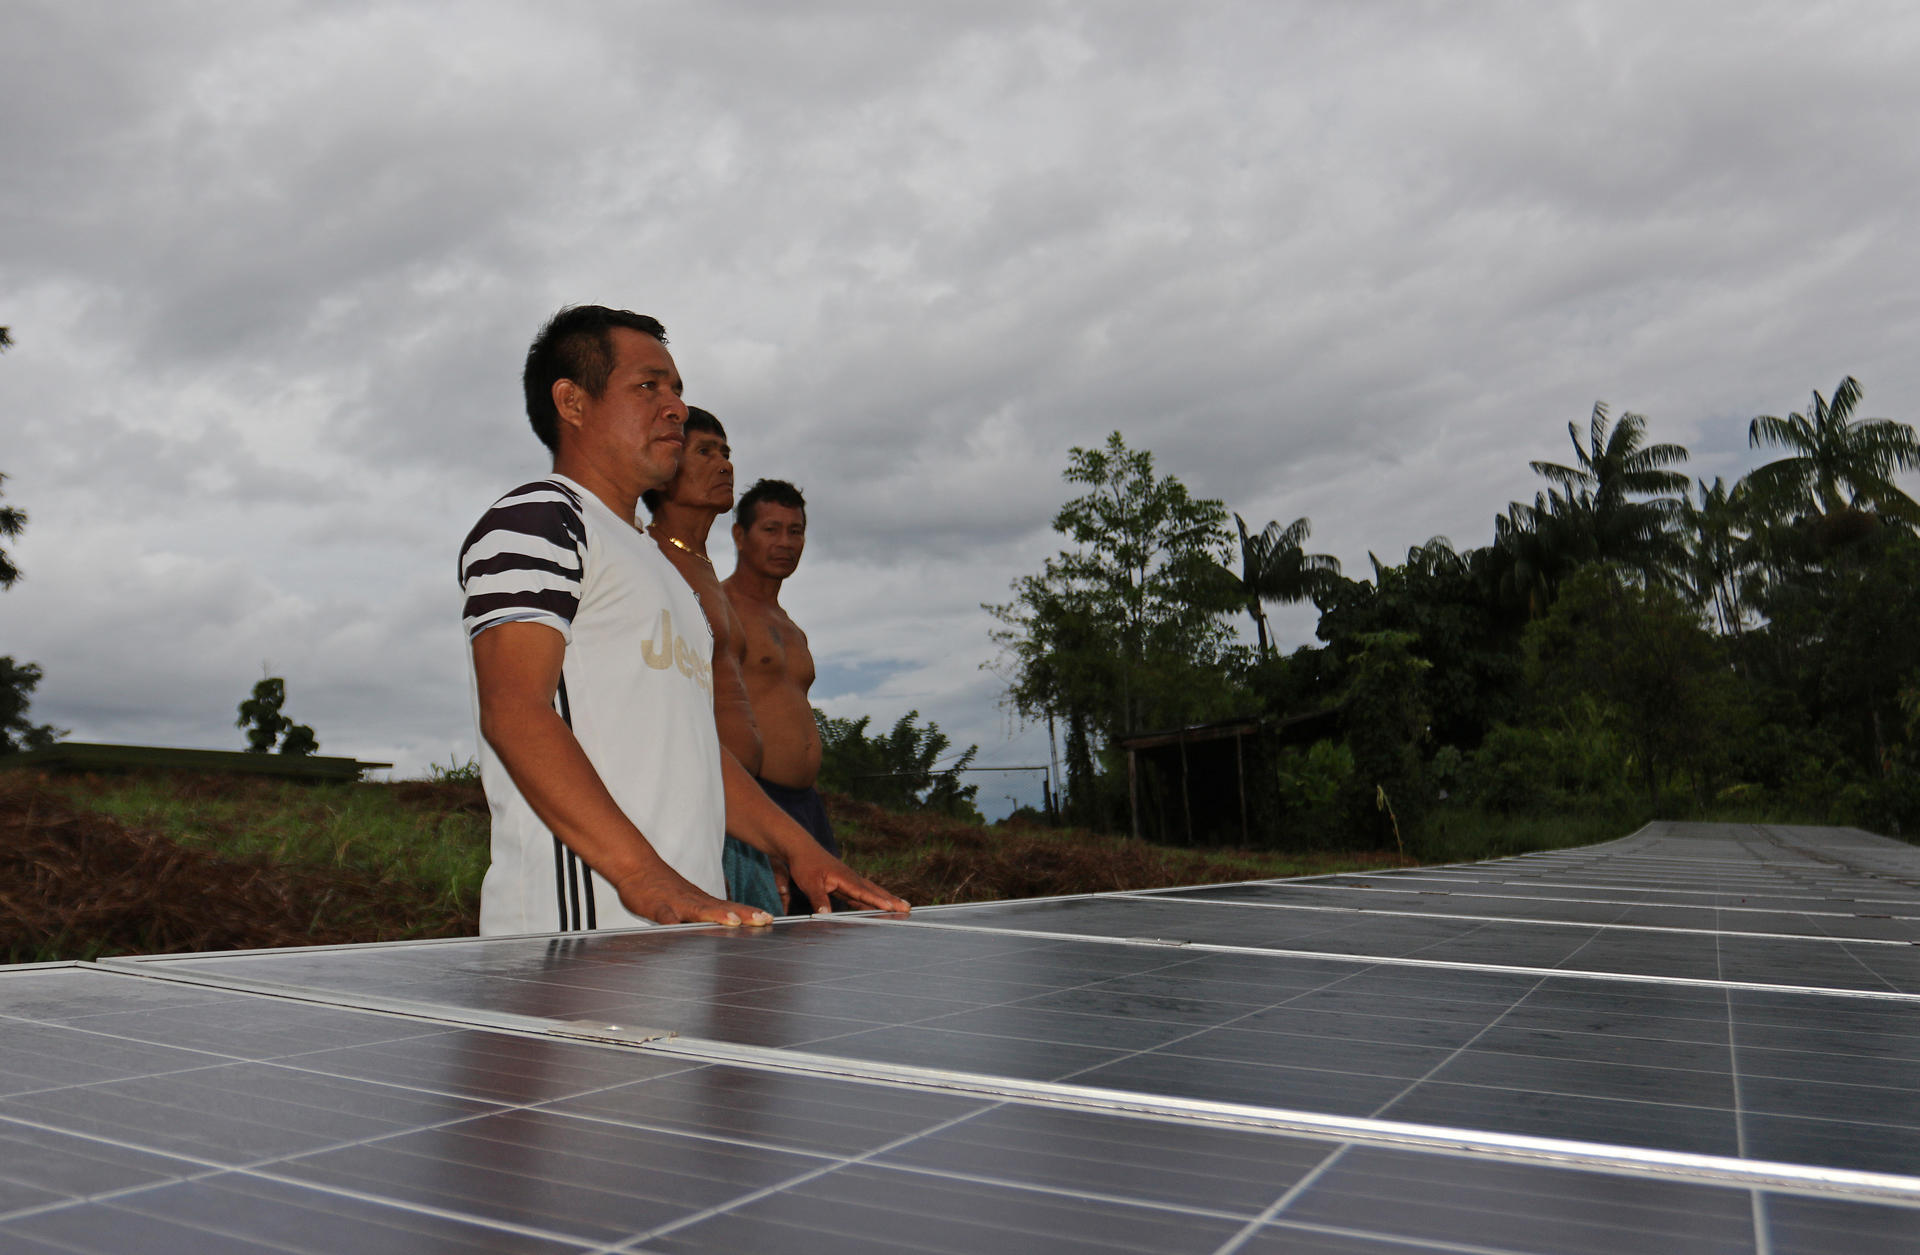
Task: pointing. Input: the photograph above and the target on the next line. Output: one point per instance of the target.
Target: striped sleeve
(524, 560)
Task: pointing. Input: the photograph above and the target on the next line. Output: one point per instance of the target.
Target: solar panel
(1510, 1056)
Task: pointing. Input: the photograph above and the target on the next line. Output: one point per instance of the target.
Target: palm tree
(1274, 568)
(1536, 546)
(13, 521)
(1721, 551)
(1837, 465)
(1620, 493)
(1435, 558)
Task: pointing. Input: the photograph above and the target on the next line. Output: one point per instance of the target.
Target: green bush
(1312, 785)
(1890, 806)
(455, 772)
(1312, 779)
(900, 770)
(1385, 716)
(1578, 762)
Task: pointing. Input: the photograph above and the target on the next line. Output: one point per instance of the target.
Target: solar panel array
(1699, 1038)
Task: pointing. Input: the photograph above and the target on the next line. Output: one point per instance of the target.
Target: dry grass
(160, 862)
(930, 860)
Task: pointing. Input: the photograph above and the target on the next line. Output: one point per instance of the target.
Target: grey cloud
(276, 266)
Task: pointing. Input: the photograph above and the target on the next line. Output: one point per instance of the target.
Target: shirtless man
(769, 533)
(609, 789)
(683, 513)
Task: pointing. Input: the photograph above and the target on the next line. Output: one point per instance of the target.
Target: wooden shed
(1213, 783)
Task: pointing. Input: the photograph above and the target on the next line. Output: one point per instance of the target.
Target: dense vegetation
(1628, 643)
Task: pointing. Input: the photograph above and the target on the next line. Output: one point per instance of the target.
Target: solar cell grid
(1887, 923)
(694, 1156)
(1458, 1048)
(959, 1083)
(1571, 890)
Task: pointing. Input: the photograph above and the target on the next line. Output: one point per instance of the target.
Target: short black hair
(697, 420)
(576, 344)
(772, 491)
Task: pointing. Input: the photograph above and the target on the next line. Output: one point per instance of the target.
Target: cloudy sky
(272, 267)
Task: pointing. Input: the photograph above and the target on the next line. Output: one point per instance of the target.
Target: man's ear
(569, 399)
(739, 535)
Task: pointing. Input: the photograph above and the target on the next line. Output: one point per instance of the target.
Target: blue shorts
(805, 808)
(750, 879)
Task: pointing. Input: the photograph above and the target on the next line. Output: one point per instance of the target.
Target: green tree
(13, 521)
(1145, 559)
(901, 770)
(1450, 602)
(1274, 568)
(1619, 495)
(1061, 668)
(1385, 715)
(1720, 552)
(1841, 638)
(1838, 467)
(261, 716)
(1660, 677)
(1570, 756)
(17, 680)
(1124, 629)
(17, 732)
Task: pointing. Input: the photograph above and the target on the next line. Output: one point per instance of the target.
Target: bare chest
(729, 634)
(776, 649)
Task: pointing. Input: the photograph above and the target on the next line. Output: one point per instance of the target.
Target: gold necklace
(679, 544)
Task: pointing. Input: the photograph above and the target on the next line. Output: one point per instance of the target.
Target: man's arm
(753, 817)
(517, 666)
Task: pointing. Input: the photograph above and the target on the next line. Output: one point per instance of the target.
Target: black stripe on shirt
(551, 521)
(572, 895)
(555, 601)
(549, 485)
(510, 560)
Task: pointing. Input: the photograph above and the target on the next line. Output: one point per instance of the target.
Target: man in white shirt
(592, 668)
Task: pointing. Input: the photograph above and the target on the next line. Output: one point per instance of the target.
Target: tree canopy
(900, 770)
(1836, 463)
(1274, 568)
(266, 724)
(1123, 629)
(1617, 502)
(1625, 633)
(17, 680)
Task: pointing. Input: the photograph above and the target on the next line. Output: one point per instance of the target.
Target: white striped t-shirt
(636, 687)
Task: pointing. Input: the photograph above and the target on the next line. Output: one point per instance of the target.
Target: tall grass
(427, 840)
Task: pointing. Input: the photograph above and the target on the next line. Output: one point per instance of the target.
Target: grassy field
(160, 862)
